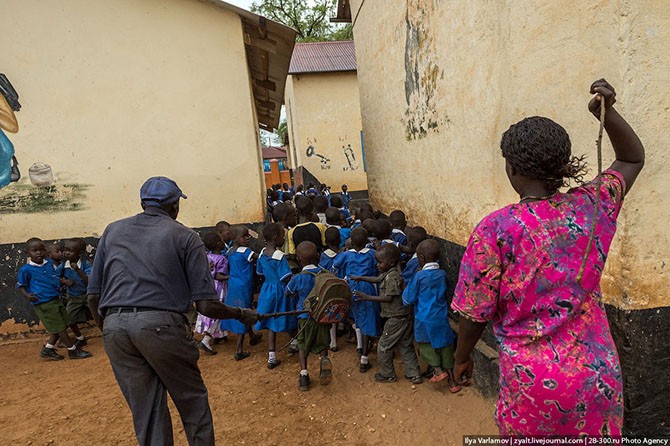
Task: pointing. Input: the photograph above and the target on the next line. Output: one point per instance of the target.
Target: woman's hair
(539, 148)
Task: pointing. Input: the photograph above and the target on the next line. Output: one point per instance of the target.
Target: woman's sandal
(453, 387)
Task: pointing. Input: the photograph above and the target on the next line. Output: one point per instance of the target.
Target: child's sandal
(441, 377)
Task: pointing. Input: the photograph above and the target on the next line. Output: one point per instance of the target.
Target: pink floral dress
(559, 368)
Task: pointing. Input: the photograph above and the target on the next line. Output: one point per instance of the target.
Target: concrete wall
(115, 92)
(324, 121)
(441, 81)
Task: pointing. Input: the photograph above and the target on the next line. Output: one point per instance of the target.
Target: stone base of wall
(643, 340)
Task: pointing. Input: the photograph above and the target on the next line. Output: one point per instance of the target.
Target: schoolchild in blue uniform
(360, 261)
(273, 265)
(427, 292)
(75, 271)
(382, 231)
(333, 241)
(346, 196)
(312, 336)
(415, 236)
(336, 202)
(334, 220)
(398, 224)
(240, 284)
(40, 284)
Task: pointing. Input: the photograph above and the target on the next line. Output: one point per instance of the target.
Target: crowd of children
(398, 288)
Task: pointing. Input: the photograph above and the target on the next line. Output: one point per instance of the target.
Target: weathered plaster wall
(115, 92)
(324, 121)
(440, 82)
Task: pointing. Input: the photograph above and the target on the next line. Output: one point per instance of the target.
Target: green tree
(310, 19)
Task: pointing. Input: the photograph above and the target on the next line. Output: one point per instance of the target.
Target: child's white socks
(333, 335)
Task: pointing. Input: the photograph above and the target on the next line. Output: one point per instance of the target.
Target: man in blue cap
(148, 271)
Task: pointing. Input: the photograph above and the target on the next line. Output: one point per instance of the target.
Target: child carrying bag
(330, 298)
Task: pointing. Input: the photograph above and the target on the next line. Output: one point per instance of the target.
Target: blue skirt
(272, 299)
(240, 294)
(366, 313)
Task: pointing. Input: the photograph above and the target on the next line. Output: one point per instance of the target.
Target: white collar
(241, 248)
(414, 256)
(276, 255)
(330, 253)
(335, 226)
(362, 251)
(388, 240)
(68, 264)
(31, 263)
(310, 266)
(430, 265)
(397, 231)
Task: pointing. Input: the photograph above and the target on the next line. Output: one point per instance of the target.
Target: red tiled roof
(273, 152)
(321, 57)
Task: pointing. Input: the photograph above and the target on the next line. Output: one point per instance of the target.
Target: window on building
(266, 166)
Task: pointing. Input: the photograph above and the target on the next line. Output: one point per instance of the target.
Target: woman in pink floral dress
(559, 368)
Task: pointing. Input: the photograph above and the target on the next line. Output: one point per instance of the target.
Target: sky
(246, 4)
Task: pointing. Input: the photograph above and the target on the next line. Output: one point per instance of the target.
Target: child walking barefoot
(240, 284)
(218, 267)
(427, 292)
(273, 265)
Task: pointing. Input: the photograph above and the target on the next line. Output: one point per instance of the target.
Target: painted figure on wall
(325, 162)
(9, 103)
(351, 158)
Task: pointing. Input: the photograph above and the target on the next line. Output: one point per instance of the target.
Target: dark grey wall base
(643, 340)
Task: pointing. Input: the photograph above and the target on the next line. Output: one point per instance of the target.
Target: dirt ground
(79, 403)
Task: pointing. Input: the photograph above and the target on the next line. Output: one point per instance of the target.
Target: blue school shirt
(355, 224)
(344, 212)
(427, 292)
(78, 288)
(356, 263)
(41, 280)
(410, 269)
(398, 236)
(327, 259)
(300, 286)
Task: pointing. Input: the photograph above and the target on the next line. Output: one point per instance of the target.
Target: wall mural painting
(40, 193)
(352, 164)
(325, 161)
(422, 73)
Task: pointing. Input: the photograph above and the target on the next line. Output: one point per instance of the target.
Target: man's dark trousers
(152, 353)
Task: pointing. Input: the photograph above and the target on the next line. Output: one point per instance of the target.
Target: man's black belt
(117, 310)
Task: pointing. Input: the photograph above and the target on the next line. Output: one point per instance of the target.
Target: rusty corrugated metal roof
(271, 152)
(322, 57)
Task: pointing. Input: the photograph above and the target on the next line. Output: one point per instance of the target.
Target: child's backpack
(329, 300)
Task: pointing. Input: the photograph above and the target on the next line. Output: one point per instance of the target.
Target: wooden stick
(599, 182)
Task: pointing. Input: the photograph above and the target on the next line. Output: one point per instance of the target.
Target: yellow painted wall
(114, 92)
(323, 112)
(441, 81)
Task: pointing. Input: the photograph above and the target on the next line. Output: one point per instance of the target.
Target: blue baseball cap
(159, 191)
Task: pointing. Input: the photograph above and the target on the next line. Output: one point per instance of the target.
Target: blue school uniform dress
(355, 224)
(327, 259)
(300, 285)
(427, 292)
(240, 285)
(272, 298)
(411, 268)
(346, 198)
(398, 236)
(361, 263)
(344, 212)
